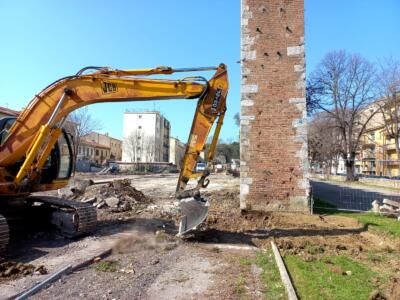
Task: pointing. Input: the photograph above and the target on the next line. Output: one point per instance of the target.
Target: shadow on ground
(26, 246)
(247, 237)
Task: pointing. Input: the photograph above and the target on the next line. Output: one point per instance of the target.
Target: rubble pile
(10, 269)
(389, 208)
(117, 196)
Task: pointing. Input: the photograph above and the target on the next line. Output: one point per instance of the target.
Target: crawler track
(74, 218)
(4, 233)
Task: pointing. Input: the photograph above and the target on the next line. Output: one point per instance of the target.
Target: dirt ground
(149, 262)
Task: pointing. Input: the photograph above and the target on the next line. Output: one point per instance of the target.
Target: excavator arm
(26, 146)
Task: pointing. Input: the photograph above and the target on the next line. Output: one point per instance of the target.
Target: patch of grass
(160, 236)
(106, 266)
(314, 249)
(374, 257)
(239, 285)
(375, 221)
(320, 279)
(215, 250)
(270, 276)
(370, 219)
(244, 261)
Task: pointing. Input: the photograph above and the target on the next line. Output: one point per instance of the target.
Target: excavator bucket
(194, 210)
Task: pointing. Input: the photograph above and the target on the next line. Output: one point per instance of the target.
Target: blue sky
(42, 41)
(368, 27)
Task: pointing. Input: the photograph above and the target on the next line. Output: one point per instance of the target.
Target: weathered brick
(273, 124)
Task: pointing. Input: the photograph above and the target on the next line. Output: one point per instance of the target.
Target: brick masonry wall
(274, 165)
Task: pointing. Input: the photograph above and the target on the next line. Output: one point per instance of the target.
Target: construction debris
(389, 208)
(89, 200)
(375, 206)
(113, 169)
(391, 203)
(116, 195)
(112, 201)
(10, 269)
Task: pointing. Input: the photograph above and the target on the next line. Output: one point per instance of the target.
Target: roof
(8, 111)
(105, 135)
(93, 144)
(152, 112)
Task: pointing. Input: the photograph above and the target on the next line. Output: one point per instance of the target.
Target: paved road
(350, 197)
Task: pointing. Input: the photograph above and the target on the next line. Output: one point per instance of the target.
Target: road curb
(62, 271)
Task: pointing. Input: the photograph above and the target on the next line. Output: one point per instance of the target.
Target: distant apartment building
(378, 152)
(377, 155)
(378, 148)
(146, 137)
(176, 151)
(115, 145)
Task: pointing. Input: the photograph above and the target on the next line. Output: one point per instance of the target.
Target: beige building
(176, 151)
(6, 112)
(114, 145)
(378, 147)
(88, 150)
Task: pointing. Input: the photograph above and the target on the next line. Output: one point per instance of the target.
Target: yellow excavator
(36, 152)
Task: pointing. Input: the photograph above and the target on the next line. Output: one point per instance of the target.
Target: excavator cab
(5, 125)
(60, 163)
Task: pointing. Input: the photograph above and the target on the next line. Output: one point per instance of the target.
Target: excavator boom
(26, 147)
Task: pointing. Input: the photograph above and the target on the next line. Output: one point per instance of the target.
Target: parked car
(235, 168)
(218, 168)
(200, 167)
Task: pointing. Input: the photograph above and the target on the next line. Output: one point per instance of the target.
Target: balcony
(368, 145)
(368, 141)
(368, 168)
(390, 147)
(368, 155)
(392, 162)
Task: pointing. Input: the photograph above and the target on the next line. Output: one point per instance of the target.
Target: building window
(97, 152)
(372, 136)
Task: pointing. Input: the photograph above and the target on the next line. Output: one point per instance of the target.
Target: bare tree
(80, 123)
(343, 86)
(133, 145)
(140, 147)
(236, 117)
(388, 78)
(324, 141)
(149, 148)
